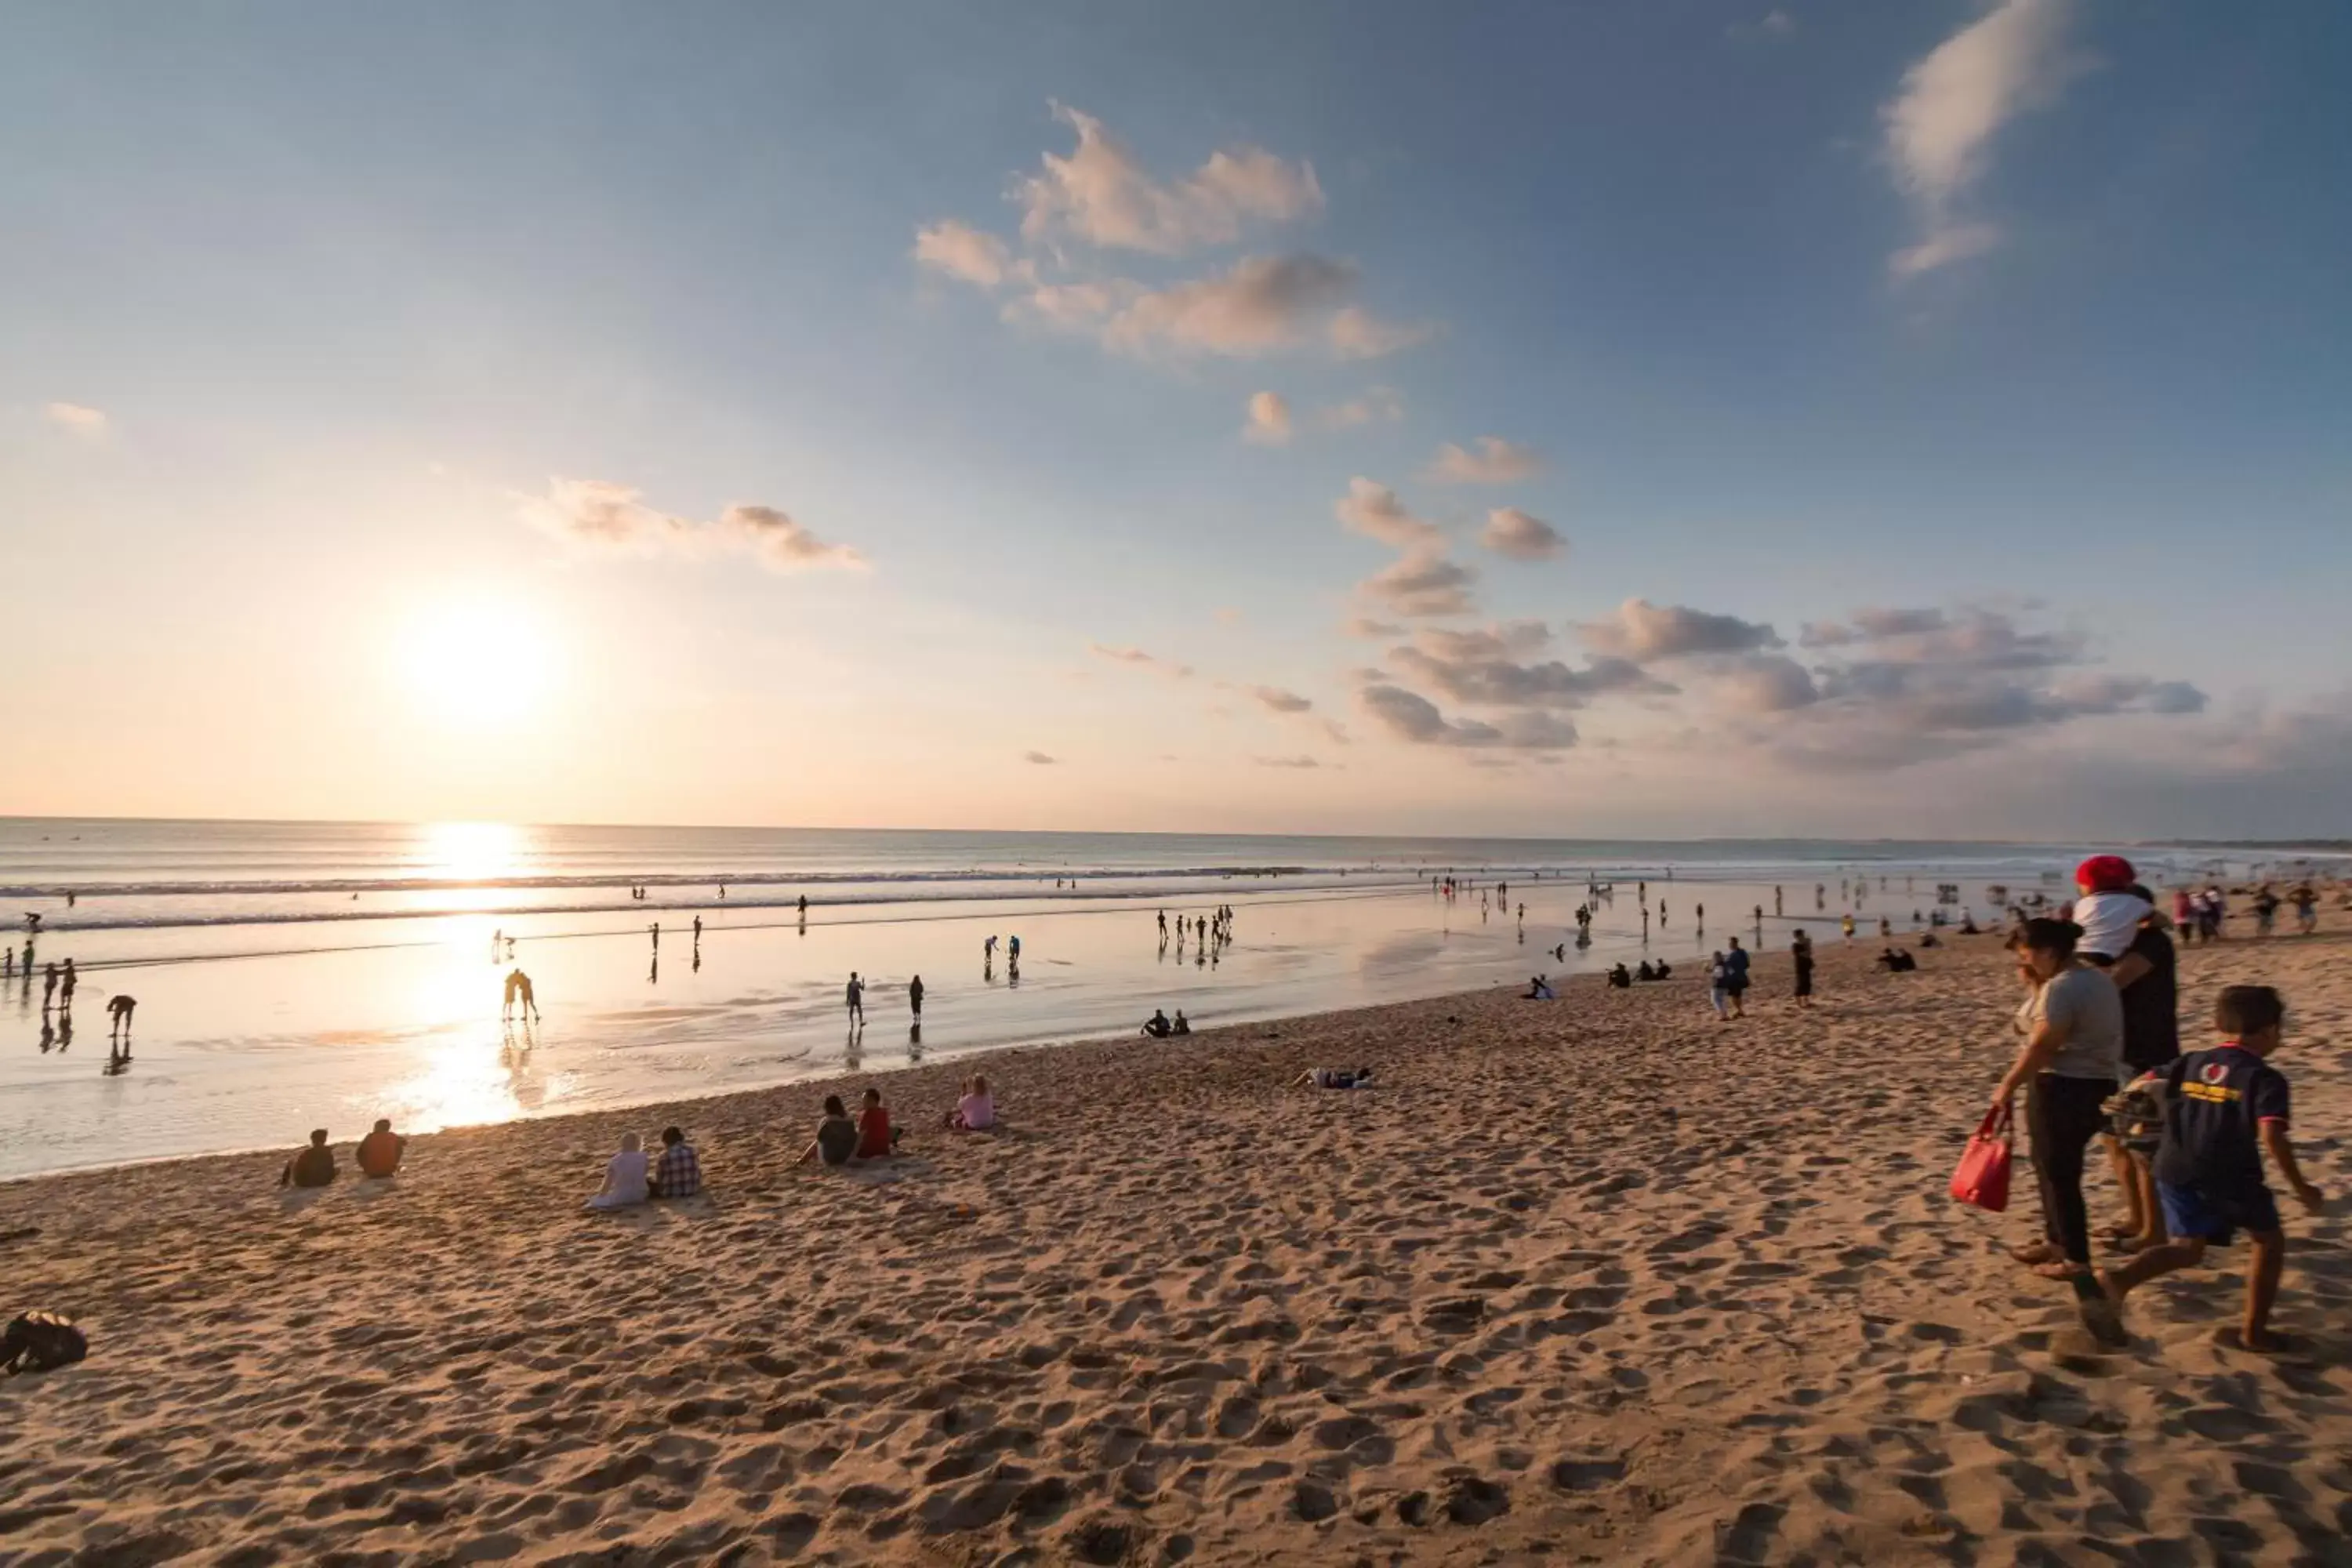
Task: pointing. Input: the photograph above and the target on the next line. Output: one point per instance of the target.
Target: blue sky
(375, 384)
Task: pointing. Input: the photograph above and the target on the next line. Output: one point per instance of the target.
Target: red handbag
(1982, 1179)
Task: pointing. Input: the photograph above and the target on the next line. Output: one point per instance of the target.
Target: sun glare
(476, 661)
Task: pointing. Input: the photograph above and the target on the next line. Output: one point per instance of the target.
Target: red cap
(2105, 874)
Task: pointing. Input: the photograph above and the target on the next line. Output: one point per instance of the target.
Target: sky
(1690, 418)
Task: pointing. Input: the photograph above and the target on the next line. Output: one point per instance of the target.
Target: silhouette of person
(119, 1009)
(915, 997)
(856, 998)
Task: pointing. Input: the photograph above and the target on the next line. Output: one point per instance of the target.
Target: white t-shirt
(625, 1181)
(2109, 922)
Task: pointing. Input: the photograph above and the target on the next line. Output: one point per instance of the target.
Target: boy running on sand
(2223, 1110)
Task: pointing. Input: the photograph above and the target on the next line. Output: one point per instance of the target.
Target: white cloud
(962, 251)
(1418, 584)
(77, 420)
(1512, 533)
(1356, 333)
(600, 515)
(1496, 462)
(1101, 195)
(1378, 405)
(1408, 716)
(1769, 683)
(1280, 700)
(1644, 631)
(1955, 242)
(1941, 124)
(1264, 303)
(1138, 658)
(1269, 419)
(1373, 509)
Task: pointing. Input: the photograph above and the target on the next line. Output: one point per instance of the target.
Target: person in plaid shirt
(678, 1173)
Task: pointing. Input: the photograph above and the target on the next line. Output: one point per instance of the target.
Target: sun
(476, 660)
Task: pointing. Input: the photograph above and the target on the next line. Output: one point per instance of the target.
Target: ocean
(287, 975)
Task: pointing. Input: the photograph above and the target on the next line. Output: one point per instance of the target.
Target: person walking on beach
(1776, 900)
(66, 987)
(2223, 1110)
(2072, 1024)
(48, 987)
(803, 908)
(914, 995)
(2146, 976)
(856, 999)
(1800, 960)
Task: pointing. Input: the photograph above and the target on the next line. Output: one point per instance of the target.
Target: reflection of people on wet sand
(519, 997)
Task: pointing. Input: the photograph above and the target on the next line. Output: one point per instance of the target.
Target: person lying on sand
(837, 1136)
(874, 1139)
(975, 1110)
(380, 1152)
(313, 1167)
(1540, 990)
(1156, 1025)
(1334, 1077)
(625, 1177)
(678, 1173)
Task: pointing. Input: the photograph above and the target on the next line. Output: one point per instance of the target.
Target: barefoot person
(2074, 1027)
(2223, 1110)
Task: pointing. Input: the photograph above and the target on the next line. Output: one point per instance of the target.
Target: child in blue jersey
(2223, 1110)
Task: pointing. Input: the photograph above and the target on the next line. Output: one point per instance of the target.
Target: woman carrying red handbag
(2073, 1022)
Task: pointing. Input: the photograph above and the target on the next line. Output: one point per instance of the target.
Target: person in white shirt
(625, 1177)
(2108, 912)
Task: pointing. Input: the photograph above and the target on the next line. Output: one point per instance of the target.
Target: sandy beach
(1594, 1280)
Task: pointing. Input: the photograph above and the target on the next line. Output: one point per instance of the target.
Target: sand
(1596, 1280)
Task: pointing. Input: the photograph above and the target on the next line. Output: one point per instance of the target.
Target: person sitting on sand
(625, 1177)
(678, 1173)
(2223, 1109)
(837, 1136)
(1931, 940)
(1539, 990)
(379, 1153)
(874, 1139)
(1156, 1025)
(313, 1167)
(1644, 972)
(1334, 1077)
(975, 1111)
(1620, 979)
(1182, 1026)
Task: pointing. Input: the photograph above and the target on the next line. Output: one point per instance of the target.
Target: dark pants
(2064, 1116)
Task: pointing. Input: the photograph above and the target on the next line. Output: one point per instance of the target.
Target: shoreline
(1596, 1278)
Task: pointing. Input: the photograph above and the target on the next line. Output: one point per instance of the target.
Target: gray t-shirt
(2085, 1003)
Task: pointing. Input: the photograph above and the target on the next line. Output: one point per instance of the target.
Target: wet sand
(1598, 1280)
